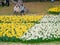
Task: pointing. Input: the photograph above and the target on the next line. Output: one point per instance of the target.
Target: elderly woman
(16, 8)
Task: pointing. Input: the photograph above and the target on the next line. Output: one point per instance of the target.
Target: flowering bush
(55, 10)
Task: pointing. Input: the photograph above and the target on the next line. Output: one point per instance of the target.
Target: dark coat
(7, 0)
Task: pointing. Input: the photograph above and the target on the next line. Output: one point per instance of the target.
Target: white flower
(48, 27)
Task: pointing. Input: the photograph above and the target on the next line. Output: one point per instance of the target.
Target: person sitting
(16, 9)
(22, 8)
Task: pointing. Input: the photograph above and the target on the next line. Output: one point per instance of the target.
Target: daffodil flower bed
(14, 30)
(14, 27)
(47, 30)
(54, 10)
(20, 19)
(26, 29)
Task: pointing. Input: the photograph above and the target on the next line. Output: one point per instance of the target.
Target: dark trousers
(22, 12)
(7, 3)
(2, 4)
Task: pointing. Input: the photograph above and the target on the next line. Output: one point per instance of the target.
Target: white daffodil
(48, 28)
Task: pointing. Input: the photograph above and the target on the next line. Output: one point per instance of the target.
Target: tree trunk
(19, 1)
(13, 1)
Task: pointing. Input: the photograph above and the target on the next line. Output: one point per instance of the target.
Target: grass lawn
(34, 7)
(50, 43)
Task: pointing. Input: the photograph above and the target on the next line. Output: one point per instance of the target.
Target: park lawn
(34, 8)
(12, 43)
